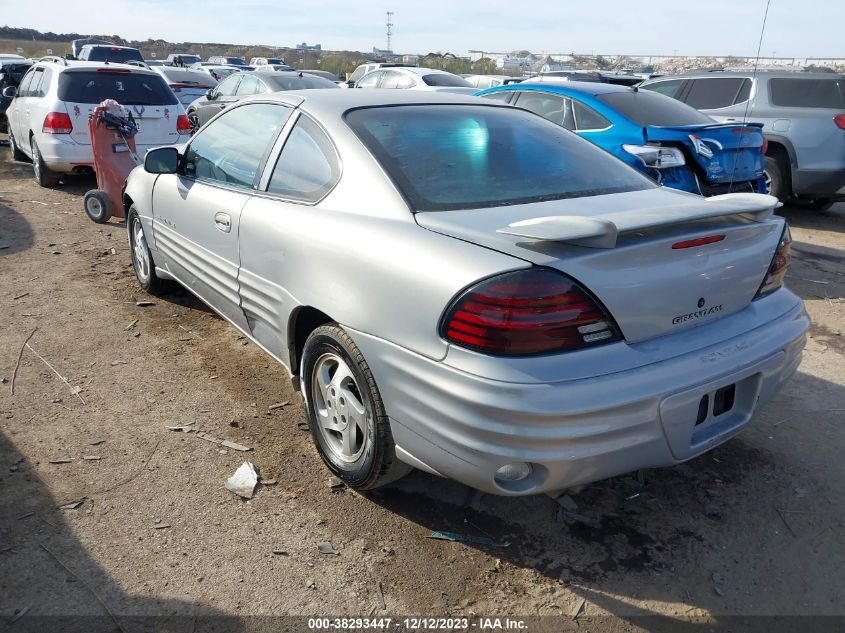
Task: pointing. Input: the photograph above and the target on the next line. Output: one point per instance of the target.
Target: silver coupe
(468, 289)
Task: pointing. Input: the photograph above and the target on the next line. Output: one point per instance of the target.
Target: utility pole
(390, 31)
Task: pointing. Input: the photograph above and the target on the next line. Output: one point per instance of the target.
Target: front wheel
(194, 120)
(346, 415)
(142, 258)
(17, 154)
(97, 206)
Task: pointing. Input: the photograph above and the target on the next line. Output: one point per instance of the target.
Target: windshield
(447, 157)
(445, 79)
(235, 61)
(292, 81)
(124, 87)
(650, 108)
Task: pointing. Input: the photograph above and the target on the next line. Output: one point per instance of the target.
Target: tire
(194, 121)
(346, 415)
(97, 206)
(17, 154)
(43, 175)
(776, 183)
(142, 258)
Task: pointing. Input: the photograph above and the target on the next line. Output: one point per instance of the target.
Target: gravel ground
(752, 528)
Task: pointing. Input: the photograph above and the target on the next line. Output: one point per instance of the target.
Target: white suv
(48, 119)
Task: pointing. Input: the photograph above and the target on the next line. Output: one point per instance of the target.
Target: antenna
(389, 31)
(753, 77)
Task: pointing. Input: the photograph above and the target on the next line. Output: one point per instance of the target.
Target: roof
(584, 87)
(77, 65)
(779, 74)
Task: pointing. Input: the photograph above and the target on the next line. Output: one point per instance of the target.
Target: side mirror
(162, 160)
(209, 94)
(10, 92)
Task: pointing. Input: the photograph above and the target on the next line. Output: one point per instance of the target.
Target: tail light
(778, 267)
(656, 156)
(183, 124)
(57, 123)
(765, 146)
(527, 312)
(839, 119)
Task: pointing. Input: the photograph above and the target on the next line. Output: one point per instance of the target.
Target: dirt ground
(752, 528)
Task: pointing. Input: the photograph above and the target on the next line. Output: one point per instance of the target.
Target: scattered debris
(26, 516)
(91, 458)
(19, 613)
(280, 552)
(278, 405)
(181, 429)
(243, 482)
(579, 608)
(303, 426)
(161, 526)
(61, 460)
(234, 446)
(73, 505)
(21, 296)
(381, 595)
(43, 204)
(327, 548)
(336, 484)
(144, 304)
(18, 364)
(97, 442)
(131, 325)
(718, 581)
(461, 538)
(115, 363)
(268, 482)
(74, 390)
(567, 503)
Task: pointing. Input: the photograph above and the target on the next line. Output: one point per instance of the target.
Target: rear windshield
(436, 79)
(235, 61)
(809, 93)
(125, 88)
(292, 81)
(448, 157)
(116, 55)
(645, 107)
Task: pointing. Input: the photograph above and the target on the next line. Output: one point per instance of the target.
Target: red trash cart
(115, 155)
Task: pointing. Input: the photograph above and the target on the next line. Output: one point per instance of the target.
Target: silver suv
(803, 117)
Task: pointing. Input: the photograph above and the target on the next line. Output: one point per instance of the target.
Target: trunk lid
(648, 286)
(725, 152)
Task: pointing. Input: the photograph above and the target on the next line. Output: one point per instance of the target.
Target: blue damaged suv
(671, 142)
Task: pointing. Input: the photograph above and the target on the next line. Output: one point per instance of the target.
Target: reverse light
(656, 156)
(778, 267)
(57, 123)
(527, 312)
(183, 124)
(839, 119)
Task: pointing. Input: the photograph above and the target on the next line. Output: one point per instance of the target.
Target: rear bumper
(465, 426)
(819, 183)
(65, 156)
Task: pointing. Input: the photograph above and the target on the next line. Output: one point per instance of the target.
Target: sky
(795, 28)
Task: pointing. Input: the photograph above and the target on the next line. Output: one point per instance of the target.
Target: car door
(20, 122)
(196, 212)
(275, 229)
(221, 97)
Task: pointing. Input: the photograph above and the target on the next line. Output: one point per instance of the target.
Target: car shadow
(655, 536)
(51, 582)
(16, 232)
(832, 219)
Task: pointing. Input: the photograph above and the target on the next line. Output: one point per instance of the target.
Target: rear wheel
(17, 154)
(775, 179)
(346, 415)
(194, 121)
(142, 258)
(43, 175)
(97, 206)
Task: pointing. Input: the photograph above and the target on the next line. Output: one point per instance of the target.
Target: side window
(370, 81)
(714, 92)
(555, 108)
(406, 82)
(391, 79)
(588, 119)
(230, 149)
(670, 87)
(247, 86)
(25, 83)
(44, 85)
(504, 95)
(744, 92)
(228, 86)
(308, 166)
(359, 72)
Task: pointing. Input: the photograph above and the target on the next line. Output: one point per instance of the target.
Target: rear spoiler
(602, 230)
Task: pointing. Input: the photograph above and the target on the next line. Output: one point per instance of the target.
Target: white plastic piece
(243, 482)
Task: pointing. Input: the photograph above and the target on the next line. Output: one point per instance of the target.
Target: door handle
(223, 222)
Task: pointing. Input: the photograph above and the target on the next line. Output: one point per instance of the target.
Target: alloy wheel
(140, 252)
(342, 416)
